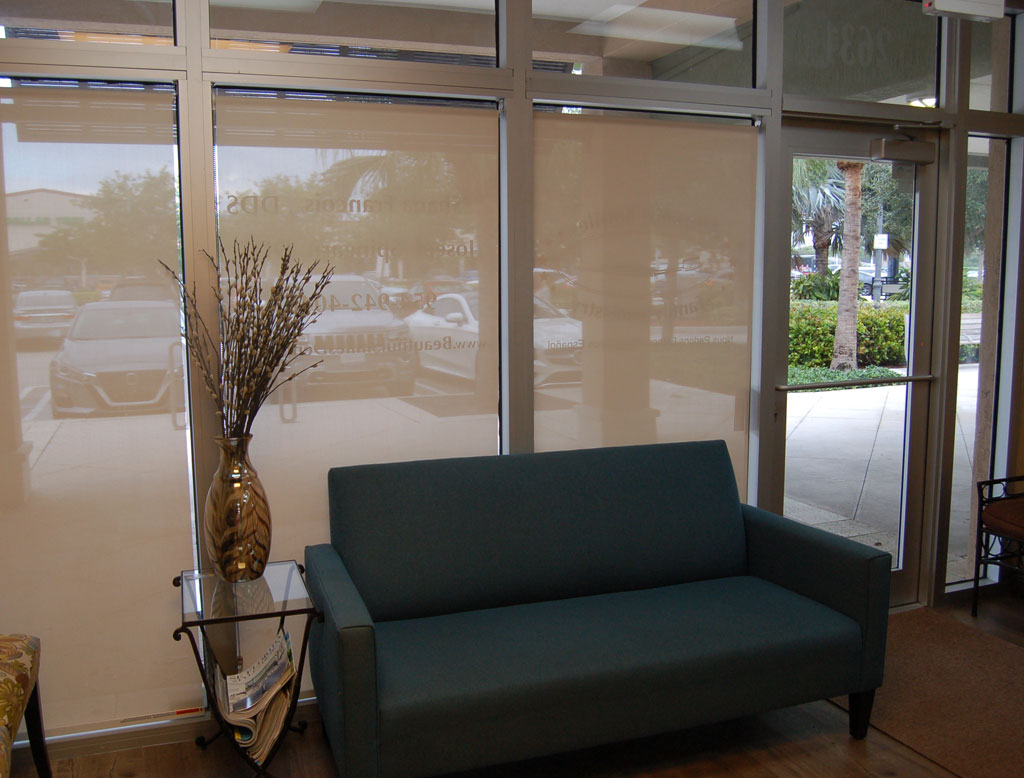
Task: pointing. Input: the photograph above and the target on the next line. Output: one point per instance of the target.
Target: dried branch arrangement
(253, 351)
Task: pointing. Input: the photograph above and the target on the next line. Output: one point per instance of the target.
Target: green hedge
(817, 375)
(880, 330)
(812, 327)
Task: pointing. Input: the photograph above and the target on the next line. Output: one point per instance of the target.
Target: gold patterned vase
(237, 518)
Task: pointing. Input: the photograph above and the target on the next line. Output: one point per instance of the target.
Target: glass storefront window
(450, 32)
(984, 229)
(882, 51)
(643, 278)
(122, 21)
(678, 41)
(95, 494)
(402, 200)
(990, 65)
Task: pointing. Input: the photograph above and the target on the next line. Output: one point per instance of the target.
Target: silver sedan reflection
(118, 357)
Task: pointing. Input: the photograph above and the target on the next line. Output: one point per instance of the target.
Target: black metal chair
(1000, 537)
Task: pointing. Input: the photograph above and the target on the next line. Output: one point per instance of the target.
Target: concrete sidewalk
(844, 463)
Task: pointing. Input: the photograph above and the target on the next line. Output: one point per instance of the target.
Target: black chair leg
(978, 553)
(974, 591)
(36, 738)
(860, 713)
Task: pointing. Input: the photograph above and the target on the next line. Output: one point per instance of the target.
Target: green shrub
(880, 332)
(820, 375)
(815, 286)
(971, 289)
(969, 353)
(970, 306)
(880, 335)
(812, 328)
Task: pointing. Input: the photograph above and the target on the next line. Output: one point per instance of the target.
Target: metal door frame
(828, 139)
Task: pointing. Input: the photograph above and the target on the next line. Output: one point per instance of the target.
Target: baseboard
(150, 734)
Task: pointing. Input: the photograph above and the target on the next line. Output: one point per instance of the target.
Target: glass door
(861, 266)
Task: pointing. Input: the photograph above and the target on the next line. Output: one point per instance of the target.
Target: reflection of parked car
(143, 289)
(118, 356)
(427, 291)
(555, 287)
(359, 339)
(447, 335)
(695, 288)
(43, 313)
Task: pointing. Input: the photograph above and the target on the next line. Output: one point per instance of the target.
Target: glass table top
(207, 599)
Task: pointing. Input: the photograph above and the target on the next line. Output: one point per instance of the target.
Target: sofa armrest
(343, 663)
(844, 575)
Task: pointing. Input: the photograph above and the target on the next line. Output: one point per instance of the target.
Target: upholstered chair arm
(342, 657)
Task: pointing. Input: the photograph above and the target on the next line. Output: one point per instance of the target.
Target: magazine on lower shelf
(255, 701)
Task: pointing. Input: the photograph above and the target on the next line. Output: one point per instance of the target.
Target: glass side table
(206, 601)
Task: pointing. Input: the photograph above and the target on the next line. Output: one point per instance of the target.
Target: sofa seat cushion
(481, 687)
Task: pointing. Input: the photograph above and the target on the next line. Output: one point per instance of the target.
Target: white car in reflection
(446, 334)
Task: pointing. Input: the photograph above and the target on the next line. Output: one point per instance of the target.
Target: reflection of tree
(134, 222)
(410, 207)
(278, 211)
(558, 241)
(401, 206)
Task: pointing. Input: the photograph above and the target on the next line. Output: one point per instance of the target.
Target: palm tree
(844, 347)
(818, 208)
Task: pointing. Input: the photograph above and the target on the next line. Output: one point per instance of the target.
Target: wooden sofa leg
(860, 713)
(36, 738)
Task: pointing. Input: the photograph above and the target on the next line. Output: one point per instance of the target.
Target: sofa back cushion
(442, 536)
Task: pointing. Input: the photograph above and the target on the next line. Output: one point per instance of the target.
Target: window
(881, 51)
(643, 278)
(448, 32)
(402, 200)
(102, 518)
(679, 41)
(990, 65)
(979, 312)
(123, 21)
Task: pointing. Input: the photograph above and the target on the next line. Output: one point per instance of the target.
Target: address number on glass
(354, 302)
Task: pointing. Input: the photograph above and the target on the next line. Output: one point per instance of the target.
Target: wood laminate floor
(805, 741)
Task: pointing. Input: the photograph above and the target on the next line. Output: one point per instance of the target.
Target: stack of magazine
(255, 701)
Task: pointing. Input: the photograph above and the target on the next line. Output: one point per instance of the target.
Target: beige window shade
(650, 225)
(94, 503)
(403, 201)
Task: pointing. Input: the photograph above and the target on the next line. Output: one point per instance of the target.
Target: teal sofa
(489, 609)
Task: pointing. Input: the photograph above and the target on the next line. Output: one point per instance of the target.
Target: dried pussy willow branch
(253, 351)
